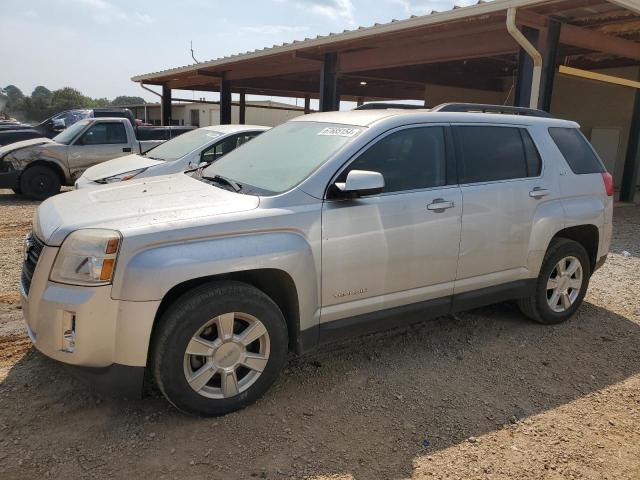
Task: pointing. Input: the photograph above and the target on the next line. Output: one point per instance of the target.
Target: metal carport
(465, 54)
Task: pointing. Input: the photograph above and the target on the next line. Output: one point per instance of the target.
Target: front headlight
(87, 257)
(121, 177)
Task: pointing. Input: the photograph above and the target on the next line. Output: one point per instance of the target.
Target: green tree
(68, 98)
(15, 103)
(39, 106)
(100, 102)
(127, 100)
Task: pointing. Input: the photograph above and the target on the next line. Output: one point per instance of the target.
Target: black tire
(39, 182)
(17, 191)
(537, 307)
(186, 317)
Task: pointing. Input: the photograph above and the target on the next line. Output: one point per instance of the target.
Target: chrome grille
(32, 249)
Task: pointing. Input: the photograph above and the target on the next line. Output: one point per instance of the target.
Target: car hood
(118, 166)
(12, 147)
(134, 205)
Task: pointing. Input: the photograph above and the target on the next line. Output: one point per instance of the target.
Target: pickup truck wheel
(561, 285)
(218, 348)
(39, 182)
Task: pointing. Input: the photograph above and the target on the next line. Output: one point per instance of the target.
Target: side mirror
(361, 182)
(58, 125)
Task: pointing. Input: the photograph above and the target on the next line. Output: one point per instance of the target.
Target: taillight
(608, 183)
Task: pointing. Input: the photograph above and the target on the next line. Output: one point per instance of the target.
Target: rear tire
(17, 191)
(218, 348)
(561, 285)
(39, 182)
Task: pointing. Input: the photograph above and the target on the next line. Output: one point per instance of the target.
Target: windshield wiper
(219, 179)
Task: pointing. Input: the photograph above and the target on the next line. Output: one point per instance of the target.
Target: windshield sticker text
(339, 132)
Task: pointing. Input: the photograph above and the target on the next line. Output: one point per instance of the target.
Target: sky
(96, 46)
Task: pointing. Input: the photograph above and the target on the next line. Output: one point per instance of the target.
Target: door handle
(440, 205)
(126, 149)
(538, 192)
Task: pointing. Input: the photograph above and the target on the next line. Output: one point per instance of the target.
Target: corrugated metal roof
(481, 8)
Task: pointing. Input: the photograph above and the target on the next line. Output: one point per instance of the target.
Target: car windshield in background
(66, 136)
(72, 116)
(182, 145)
(281, 158)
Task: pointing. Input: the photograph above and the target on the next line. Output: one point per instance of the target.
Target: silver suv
(327, 225)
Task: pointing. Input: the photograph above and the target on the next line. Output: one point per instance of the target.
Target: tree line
(43, 103)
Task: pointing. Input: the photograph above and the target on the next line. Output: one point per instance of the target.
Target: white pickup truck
(38, 167)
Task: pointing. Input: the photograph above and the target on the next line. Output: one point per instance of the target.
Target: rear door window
(576, 150)
(493, 153)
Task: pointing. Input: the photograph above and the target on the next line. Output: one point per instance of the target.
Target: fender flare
(150, 273)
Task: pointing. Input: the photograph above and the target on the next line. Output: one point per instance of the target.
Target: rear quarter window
(576, 150)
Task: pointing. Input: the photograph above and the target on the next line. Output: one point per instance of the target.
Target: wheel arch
(53, 165)
(276, 284)
(587, 235)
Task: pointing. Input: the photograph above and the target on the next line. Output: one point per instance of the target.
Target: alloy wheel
(564, 284)
(226, 355)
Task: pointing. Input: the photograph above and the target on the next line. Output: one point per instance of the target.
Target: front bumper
(106, 334)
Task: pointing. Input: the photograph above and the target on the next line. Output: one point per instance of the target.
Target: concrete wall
(596, 104)
(263, 116)
(210, 114)
(437, 94)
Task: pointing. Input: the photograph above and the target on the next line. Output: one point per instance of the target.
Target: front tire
(39, 182)
(561, 285)
(218, 348)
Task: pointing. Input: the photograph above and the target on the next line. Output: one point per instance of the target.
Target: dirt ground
(484, 394)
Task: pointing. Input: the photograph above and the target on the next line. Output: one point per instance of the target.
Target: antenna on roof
(192, 55)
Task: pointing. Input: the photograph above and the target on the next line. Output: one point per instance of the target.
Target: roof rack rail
(487, 108)
(389, 106)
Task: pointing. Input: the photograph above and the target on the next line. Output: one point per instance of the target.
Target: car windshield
(281, 158)
(66, 136)
(183, 144)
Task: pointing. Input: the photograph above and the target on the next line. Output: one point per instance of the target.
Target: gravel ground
(484, 394)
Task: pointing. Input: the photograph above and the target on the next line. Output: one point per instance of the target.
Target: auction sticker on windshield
(339, 132)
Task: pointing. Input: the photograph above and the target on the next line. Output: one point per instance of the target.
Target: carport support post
(307, 105)
(225, 101)
(165, 105)
(329, 99)
(243, 109)
(525, 70)
(550, 64)
(632, 162)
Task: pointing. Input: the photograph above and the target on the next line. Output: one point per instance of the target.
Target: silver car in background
(203, 145)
